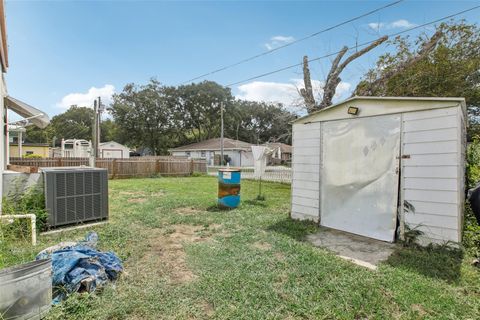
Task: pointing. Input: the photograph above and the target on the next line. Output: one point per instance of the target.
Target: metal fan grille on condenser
(75, 195)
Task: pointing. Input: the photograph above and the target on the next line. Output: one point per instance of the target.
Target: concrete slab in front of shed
(360, 250)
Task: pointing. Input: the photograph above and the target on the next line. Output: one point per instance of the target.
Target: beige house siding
(26, 150)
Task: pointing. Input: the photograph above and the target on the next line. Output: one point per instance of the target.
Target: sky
(70, 52)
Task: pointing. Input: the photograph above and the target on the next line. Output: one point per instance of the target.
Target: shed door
(359, 179)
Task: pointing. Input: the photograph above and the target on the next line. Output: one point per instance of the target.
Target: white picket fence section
(273, 174)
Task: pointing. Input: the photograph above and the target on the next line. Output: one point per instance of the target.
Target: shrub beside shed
(379, 166)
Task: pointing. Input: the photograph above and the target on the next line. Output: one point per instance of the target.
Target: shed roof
(214, 144)
(112, 142)
(373, 106)
(31, 144)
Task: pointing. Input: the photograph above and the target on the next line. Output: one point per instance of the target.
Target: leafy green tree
(451, 69)
(109, 131)
(75, 123)
(258, 122)
(197, 109)
(143, 116)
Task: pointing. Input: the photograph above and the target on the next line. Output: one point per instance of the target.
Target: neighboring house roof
(31, 144)
(284, 148)
(102, 144)
(214, 144)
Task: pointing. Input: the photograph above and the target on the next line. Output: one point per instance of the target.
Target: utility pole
(99, 120)
(94, 129)
(221, 134)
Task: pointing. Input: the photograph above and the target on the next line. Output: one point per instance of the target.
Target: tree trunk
(307, 92)
(333, 78)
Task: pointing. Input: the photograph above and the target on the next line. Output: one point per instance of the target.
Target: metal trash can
(26, 290)
(229, 188)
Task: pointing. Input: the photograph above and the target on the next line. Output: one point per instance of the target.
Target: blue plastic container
(229, 188)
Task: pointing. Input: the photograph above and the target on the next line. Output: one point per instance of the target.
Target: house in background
(112, 149)
(281, 152)
(239, 153)
(27, 148)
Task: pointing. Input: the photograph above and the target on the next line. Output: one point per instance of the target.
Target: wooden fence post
(114, 168)
(191, 167)
(59, 162)
(157, 166)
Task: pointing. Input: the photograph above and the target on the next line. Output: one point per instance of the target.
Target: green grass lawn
(185, 259)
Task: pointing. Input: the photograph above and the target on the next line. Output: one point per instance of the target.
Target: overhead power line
(293, 42)
(352, 47)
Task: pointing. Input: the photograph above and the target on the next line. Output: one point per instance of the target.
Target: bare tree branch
(333, 78)
(307, 92)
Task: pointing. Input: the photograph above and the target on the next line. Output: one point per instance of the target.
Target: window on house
(29, 152)
(187, 153)
(203, 154)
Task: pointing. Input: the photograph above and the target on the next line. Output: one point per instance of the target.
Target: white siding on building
(306, 171)
(432, 174)
(432, 166)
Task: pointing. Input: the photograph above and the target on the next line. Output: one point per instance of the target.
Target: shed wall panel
(305, 184)
(430, 135)
(306, 151)
(305, 193)
(306, 202)
(428, 207)
(430, 173)
(445, 122)
(433, 196)
(306, 171)
(309, 142)
(431, 184)
(433, 220)
(307, 159)
(441, 159)
(431, 147)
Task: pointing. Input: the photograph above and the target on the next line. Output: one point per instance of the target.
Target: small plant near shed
(410, 236)
(471, 229)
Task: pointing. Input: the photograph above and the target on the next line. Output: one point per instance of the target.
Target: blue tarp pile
(80, 267)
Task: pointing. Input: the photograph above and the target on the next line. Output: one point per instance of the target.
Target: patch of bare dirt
(419, 309)
(262, 245)
(187, 211)
(168, 249)
(136, 200)
(208, 309)
(157, 194)
(279, 256)
(131, 193)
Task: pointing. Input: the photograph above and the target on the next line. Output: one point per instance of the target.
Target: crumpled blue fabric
(81, 268)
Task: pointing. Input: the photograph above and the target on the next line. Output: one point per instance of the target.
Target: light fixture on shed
(353, 111)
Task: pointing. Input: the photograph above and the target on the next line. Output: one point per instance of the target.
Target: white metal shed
(112, 149)
(375, 166)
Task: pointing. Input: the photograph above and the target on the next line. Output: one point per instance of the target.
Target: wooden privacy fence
(49, 162)
(125, 168)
